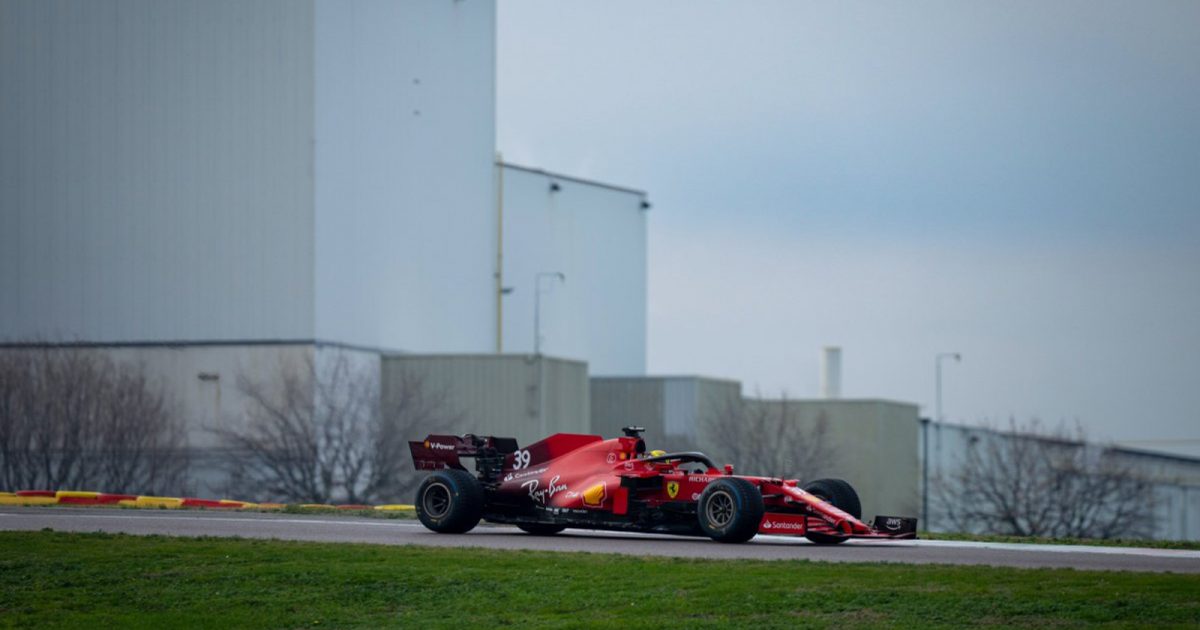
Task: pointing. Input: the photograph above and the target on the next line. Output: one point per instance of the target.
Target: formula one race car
(587, 482)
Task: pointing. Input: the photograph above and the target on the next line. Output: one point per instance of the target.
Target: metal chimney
(831, 372)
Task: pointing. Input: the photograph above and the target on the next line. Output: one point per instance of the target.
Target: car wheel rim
(436, 500)
(719, 509)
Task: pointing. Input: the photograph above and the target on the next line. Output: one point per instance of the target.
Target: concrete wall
(155, 176)
(202, 380)
(201, 386)
(673, 410)
(500, 394)
(1176, 490)
(594, 234)
(624, 402)
(405, 184)
(874, 445)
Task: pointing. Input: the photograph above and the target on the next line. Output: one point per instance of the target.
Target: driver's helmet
(656, 453)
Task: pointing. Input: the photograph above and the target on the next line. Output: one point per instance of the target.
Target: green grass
(100, 580)
(1037, 540)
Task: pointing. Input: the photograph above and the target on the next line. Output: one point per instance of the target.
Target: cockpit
(689, 462)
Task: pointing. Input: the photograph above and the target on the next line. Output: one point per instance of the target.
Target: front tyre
(450, 502)
(841, 495)
(730, 510)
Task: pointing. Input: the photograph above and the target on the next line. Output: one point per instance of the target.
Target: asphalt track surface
(348, 529)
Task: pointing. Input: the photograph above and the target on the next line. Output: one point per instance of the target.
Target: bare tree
(411, 408)
(1031, 482)
(769, 437)
(318, 434)
(74, 418)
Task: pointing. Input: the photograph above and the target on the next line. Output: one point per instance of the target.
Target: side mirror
(728, 469)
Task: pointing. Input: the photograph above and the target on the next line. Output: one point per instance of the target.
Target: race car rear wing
(437, 452)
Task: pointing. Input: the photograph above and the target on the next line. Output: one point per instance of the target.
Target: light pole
(937, 417)
(937, 408)
(537, 305)
(925, 472)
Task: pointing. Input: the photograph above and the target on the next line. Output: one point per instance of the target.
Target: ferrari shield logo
(672, 488)
(594, 496)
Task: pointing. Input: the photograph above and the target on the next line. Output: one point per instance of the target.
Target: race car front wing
(821, 517)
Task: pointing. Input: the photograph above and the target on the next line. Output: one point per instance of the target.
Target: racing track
(410, 532)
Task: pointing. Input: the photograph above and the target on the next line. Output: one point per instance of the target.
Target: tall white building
(232, 171)
(290, 171)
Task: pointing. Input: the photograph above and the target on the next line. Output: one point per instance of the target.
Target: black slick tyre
(541, 529)
(730, 510)
(841, 495)
(450, 502)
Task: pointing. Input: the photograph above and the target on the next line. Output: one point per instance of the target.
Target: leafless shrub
(320, 434)
(412, 409)
(74, 418)
(1027, 481)
(768, 437)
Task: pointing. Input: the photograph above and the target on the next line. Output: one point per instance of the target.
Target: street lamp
(537, 305)
(925, 472)
(937, 417)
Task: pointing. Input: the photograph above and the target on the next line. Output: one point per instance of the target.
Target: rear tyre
(841, 495)
(450, 502)
(730, 510)
(541, 529)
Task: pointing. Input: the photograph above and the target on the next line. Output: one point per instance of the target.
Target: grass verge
(102, 580)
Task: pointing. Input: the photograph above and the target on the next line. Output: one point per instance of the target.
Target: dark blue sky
(1016, 181)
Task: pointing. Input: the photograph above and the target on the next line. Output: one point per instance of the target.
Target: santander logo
(783, 525)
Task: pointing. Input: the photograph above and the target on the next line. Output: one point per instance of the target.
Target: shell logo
(595, 495)
(426, 443)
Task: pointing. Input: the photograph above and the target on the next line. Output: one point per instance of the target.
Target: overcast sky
(1019, 182)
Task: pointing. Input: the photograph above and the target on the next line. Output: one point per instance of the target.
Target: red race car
(587, 482)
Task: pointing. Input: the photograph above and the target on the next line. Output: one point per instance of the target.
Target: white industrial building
(212, 188)
(595, 236)
(1174, 480)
